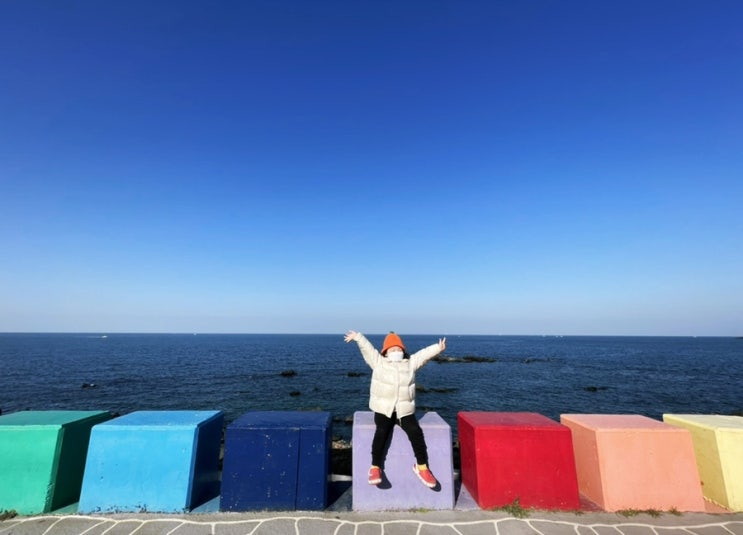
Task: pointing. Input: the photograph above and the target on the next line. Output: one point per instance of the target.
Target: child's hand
(350, 335)
(442, 344)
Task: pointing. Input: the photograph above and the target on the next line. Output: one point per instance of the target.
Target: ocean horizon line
(403, 333)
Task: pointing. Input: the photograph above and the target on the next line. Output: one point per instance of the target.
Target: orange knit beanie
(392, 340)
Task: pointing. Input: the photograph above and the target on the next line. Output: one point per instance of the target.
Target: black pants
(383, 433)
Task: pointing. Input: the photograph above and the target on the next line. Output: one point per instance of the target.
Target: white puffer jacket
(393, 383)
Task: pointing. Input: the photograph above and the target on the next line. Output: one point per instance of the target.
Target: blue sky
(442, 167)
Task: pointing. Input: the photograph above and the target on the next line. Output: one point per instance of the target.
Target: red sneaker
(375, 475)
(425, 476)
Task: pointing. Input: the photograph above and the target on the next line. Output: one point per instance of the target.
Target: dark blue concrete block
(276, 460)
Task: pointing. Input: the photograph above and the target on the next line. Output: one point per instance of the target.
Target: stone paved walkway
(424, 523)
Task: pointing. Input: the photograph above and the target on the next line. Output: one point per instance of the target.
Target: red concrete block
(517, 455)
(628, 461)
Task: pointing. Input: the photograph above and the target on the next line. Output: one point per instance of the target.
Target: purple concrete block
(401, 489)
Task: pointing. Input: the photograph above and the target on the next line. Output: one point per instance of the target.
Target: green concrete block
(42, 454)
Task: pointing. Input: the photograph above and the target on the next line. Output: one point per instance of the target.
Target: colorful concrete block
(524, 456)
(154, 461)
(42, 457)
(718, 446)
(634, 462)
(401, 489)
(277, 460)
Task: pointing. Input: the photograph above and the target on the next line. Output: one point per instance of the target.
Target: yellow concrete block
(718, 447)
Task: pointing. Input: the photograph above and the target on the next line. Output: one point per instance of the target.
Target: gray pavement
(399, 523)
(339, 519)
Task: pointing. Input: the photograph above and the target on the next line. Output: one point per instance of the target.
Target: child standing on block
(392, 398)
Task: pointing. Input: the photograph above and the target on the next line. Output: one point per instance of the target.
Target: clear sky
(441, 167)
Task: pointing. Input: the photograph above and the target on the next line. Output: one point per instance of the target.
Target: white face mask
(395, 355)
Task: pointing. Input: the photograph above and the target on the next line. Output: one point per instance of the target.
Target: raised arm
(419, 358)
(350, 335)
(370, 354)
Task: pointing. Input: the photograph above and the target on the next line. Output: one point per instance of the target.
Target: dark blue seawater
(238, 373)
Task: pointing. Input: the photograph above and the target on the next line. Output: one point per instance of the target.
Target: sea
(550, 375)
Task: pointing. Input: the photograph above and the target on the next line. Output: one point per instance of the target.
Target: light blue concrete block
(156, 461)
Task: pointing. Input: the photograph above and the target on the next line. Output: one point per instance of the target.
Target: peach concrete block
(718, 445)
(634, 462)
